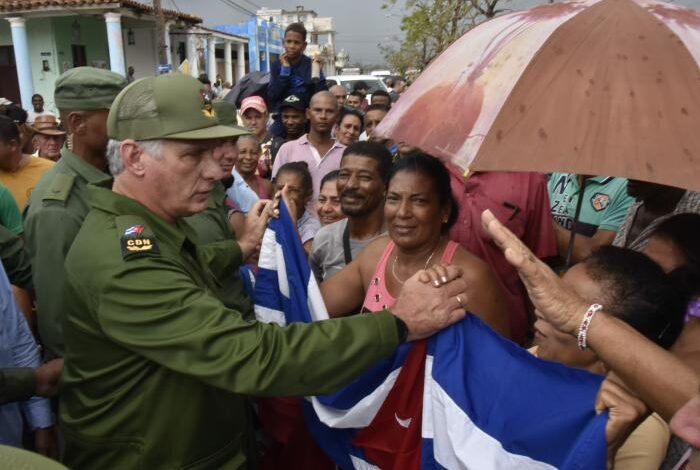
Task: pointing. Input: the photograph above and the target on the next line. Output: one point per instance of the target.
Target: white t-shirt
(32, 115)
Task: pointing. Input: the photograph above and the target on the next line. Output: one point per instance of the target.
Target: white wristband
(585, 323)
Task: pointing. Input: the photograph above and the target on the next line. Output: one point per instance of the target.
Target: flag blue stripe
(532, 407)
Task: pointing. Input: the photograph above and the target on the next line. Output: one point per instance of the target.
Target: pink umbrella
(596, 87)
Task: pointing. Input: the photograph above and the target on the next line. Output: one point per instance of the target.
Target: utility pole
(160, 32)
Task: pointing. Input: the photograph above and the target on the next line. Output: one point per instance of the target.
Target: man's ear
(75, 122)
(132, 157)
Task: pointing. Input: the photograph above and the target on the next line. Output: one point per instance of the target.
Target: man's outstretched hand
(431, 300)
(557, 304)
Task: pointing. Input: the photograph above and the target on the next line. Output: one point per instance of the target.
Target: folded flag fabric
(463, 399)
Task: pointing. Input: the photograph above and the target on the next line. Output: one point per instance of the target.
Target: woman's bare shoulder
(473, 266)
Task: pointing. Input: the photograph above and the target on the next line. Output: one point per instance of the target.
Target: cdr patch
(134, 241)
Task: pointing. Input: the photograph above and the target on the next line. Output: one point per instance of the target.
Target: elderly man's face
(49, 146)
(178, 182)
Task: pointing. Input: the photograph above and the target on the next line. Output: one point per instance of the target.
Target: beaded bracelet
(585, 323)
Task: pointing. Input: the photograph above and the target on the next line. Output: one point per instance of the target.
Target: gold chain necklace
(396, 257)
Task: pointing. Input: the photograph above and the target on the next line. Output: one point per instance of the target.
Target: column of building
(115, 42)
(24, 66)
(228, 66)
(211, 58)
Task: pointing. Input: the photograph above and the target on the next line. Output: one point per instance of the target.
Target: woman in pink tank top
(419, 210)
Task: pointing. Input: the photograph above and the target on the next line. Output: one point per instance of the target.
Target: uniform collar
(104, 199)
(82, 168)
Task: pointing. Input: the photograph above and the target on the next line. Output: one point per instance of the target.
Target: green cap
(87, 88)
(170, 106)
(225, 112)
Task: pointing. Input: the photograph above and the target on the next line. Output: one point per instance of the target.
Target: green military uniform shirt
(16, 384)
(55, 211)
(212, 226)
(15, 259)
(157, 367)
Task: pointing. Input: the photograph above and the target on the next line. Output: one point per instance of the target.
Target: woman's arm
(486, 298)
(345, 291)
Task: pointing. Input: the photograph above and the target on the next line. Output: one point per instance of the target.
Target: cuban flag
(464, 399)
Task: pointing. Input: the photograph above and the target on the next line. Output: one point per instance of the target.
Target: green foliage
(430, 26)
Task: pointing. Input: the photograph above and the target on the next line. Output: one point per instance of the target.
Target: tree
(431, 26)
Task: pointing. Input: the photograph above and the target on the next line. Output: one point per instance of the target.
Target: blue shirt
(293, 80)
(241, 194)
(18, 349)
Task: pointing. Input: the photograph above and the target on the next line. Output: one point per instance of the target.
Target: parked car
(348, 81)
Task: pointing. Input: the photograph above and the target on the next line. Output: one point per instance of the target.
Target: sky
(360, 24)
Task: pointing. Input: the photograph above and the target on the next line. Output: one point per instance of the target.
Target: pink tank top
(378, 297)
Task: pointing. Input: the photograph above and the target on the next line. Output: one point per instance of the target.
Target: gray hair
(114, 157)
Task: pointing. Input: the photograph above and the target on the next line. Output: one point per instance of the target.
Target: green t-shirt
(10, 216)
(605, 202)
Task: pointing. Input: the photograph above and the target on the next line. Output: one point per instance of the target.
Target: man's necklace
(425, 266)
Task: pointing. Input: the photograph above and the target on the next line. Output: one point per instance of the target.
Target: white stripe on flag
(270, 315)
(272, 258)
(360, 464)
(317, 308)
(457, 442)
(360, 415)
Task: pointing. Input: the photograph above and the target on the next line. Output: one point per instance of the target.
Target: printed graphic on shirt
(600, 201)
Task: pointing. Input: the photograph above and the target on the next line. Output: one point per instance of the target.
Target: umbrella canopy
(253, 83)
(596, 87)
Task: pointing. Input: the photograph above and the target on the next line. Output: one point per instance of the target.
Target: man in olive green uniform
(156, 366)
(14, 257)
(212, 224)
(59, 203)
(22, 383)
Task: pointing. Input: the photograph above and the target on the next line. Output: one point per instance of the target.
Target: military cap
(225, 112)
(87, 88)
(170, 106)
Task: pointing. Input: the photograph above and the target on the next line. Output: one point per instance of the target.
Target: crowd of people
(130, 227)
